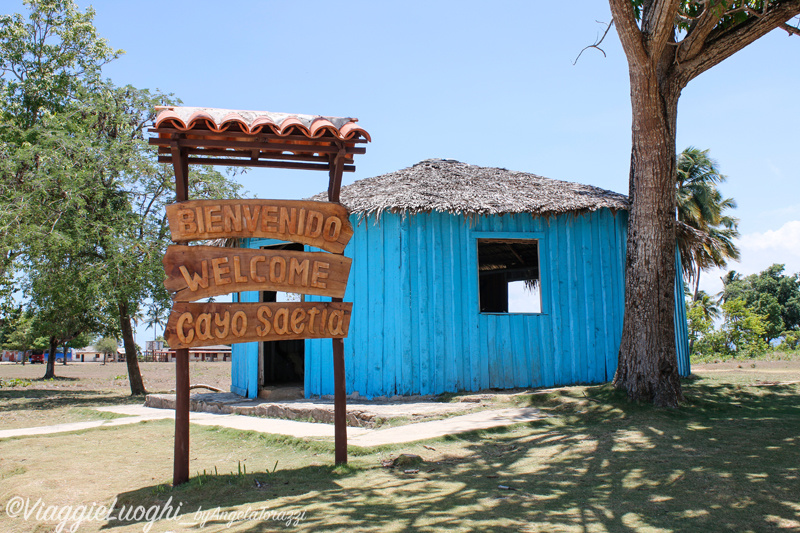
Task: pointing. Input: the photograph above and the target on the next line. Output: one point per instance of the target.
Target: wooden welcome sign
(196, 272)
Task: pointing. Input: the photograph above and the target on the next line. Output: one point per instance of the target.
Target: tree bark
(696, 282)
(648, 365)
(131, 359)
(50, 371)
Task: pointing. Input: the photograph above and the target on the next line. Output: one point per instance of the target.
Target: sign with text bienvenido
(197, 272)
(320, 224)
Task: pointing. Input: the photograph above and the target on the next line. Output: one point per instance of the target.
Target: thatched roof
(454, 187)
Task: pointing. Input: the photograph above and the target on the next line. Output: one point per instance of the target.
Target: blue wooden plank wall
(416, 326)
(681, 323)
(244, 358)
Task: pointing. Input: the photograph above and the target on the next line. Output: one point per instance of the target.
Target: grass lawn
(726, 460)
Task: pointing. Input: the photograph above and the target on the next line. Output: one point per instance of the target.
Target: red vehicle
(36, 358)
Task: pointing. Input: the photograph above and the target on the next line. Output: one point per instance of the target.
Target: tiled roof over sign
(253, 122)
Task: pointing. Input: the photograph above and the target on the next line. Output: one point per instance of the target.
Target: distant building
(92, 354)
(205, 353)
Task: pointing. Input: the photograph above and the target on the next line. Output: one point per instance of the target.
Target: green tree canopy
(82, 195)
(772, 294)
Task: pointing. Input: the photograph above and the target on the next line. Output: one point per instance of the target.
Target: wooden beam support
(179, 162)
(339, 402)
(164, 150)
(180, 471)
(339, 383)
(337, 166)
(260, 163)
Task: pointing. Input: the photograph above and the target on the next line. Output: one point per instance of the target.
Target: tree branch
(658, 25)
(629, 34)
(691, 45)
(791, 30)
(723, 45)
(597, 42)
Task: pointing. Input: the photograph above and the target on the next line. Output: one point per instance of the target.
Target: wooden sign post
(206, 136)
(198, 272)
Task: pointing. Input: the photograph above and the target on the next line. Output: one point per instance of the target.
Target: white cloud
(759, 251)
(784, 241)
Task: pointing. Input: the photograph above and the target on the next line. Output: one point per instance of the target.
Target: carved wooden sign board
(197, 272)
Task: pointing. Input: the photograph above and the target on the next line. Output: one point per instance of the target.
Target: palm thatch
(453, 187)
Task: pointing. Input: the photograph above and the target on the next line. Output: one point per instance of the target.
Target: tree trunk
(648, 364)
(65, 354)
(50, 372)
(134, 375)
(696, 283)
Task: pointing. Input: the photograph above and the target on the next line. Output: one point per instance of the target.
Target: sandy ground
(752, 370)
(158, 377)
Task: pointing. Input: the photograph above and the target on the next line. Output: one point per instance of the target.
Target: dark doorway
(283, 361)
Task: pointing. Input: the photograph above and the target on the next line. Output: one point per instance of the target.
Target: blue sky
(490, 84)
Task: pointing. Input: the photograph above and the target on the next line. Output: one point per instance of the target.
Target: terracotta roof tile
(252, 122)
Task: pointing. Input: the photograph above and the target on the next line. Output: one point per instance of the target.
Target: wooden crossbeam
(254, 154)
(259, 163)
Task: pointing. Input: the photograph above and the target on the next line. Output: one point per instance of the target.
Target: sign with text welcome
(204, 324)
(323, 225)
(195, 272)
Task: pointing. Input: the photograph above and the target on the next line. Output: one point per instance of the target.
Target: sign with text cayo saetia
(195, 272)
(204, 324)
(324, 225)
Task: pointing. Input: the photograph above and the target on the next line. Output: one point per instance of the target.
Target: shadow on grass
(724, 461)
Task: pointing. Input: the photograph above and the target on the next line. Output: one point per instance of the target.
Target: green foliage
(20, 334)
(47, 58)
(106, 345)
(771, 294)
(791, 341)
(700, 325)
(82, 194)
(14, 382)
(743, 329)
(741, 334)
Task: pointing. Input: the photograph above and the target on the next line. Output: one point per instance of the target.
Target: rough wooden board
(324, 225)
(204, 324)
(196, 272)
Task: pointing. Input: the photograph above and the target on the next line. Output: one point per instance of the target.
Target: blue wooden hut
(467, 278)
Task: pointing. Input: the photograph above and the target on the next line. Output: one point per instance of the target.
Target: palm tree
(157, 315)
(708, 304)
(705, 232)
(709, 307)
